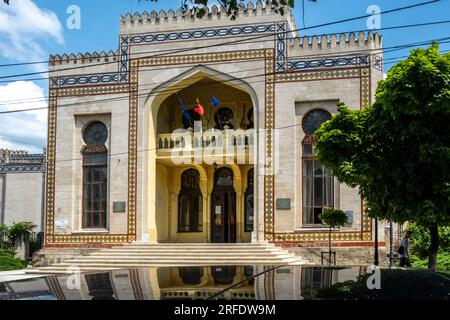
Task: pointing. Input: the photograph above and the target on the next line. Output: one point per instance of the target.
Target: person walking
(403, 250)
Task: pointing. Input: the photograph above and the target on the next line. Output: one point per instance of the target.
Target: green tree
(333, 218)
(231, 6)
(397, 151)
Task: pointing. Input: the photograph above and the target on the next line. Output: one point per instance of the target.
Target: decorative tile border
(318, 75)
(329, 62)
(281, 46)
(269, 183)
(27, 168)
(124, 49)
(91, 238)
(70, 81)
(203, 33)
(132, 150)
(317, 236)
(365, 98)
(51, 154)
(51, 237)
(93, 90)
(203, 58)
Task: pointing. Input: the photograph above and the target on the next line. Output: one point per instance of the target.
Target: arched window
(190, 204)
(317, 180)
(191, 275)
(95, 176)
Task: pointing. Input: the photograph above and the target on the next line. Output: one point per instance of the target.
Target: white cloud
(24, 27)
(23, 130)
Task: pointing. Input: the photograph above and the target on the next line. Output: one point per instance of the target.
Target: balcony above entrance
(206, 122)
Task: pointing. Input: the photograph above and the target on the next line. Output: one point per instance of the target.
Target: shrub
(420, 240)
(9, 262)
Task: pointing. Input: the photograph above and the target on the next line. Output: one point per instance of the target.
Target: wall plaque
(284, 204)
(119, 206)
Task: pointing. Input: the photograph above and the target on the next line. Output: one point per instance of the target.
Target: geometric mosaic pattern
(197, 34)
(269, 177)
(132, 151)
(365, 234)
(330, 62)
(281, 47)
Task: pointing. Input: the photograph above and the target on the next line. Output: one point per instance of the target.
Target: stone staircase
(137, 255)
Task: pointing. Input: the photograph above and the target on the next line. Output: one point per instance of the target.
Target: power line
(236, 41)
(302, 56)
(39, 99)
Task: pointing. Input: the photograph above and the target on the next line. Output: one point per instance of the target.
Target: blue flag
(186, 114)
(214, 102)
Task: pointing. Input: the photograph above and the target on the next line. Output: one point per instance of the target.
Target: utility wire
(244, 40)
(39, 99)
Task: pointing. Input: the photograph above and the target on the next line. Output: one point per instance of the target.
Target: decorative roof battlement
(7, 153)
(336, 41)
(20, 161)
(86, 58)
(258, 9)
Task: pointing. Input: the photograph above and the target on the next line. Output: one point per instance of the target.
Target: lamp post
(375, 254)
(391, 244)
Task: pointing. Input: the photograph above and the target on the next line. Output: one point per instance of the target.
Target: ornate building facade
(130, 160)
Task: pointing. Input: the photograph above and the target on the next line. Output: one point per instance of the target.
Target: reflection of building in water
(205, 282)
(184, 283)
(157, 283)
(298, 283)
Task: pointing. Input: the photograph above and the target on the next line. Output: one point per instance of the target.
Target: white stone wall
(23, 198)
(68, 193)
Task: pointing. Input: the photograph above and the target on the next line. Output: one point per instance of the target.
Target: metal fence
(35, 242)
(6, 243)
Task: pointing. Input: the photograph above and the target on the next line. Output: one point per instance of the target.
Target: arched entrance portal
(223, 208)
(215, 150)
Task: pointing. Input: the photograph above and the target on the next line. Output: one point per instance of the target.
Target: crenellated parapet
(130, 22)
(336, 50)
(368, 40)
(86, 58)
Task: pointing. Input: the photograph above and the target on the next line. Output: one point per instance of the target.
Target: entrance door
(223, 208)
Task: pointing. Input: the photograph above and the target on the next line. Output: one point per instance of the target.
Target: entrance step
(139, 255)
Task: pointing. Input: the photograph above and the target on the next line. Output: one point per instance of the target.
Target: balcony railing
(188, 141)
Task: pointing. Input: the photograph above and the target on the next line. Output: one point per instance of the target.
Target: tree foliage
(231, 6)
(420, 242)
(397, 151)
(333, 218)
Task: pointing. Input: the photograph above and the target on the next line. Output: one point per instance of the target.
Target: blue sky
(39, 28)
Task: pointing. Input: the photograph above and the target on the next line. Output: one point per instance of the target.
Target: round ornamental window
(314, 119)
(95, 133)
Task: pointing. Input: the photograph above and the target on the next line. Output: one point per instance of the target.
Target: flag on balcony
(214, 102)
(186, 114)
(199, 109)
